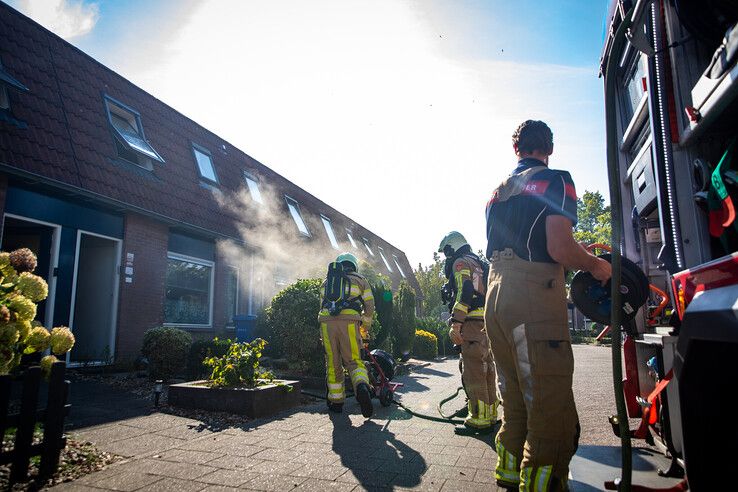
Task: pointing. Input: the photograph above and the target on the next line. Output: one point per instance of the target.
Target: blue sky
(410, 104)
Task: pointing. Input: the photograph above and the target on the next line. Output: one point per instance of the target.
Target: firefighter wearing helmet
(465, 296)
(347, 303)
(529, 243)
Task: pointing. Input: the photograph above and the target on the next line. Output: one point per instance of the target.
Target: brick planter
(261, 401)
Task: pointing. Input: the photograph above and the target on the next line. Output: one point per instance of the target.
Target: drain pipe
(613, 173)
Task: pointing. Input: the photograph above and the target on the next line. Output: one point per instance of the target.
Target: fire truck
(671, 89)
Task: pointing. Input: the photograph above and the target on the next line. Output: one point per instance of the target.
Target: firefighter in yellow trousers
(529, 243)
(466, 276)
(347, 303)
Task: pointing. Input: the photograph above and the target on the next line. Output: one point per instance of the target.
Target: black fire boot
(364, 397)
(335, 407)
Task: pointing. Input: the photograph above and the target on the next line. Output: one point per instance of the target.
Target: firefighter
(466, 275)
(347, 304)
(530, 218)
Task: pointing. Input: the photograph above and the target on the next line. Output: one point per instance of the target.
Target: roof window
(253, 185)
(129, 134)
(329, 231)
(386, 263)
(366, 245)
(204, 160)
(7, 81)
(351, 238)
(397, 264)
(294, 208)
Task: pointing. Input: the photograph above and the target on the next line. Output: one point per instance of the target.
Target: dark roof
(68, 141)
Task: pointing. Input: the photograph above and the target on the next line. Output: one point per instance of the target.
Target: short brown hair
(533, 135)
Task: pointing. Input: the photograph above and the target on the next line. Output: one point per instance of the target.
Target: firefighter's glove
(455, 334)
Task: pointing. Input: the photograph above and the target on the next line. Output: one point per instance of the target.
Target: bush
(166, 349)
(403, 318)
(202, 349)
(425, 345)
(290, 325)
(440, 330)
(239, 366)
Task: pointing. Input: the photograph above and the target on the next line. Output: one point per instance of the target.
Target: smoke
(274, 253)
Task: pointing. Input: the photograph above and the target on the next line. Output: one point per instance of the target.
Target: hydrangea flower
(6, 269)
(8, 334)
(24, 328)
(4, 314)
(46, 364)
(23, 260)
(38, 340)
(32, 286)
(62, 340)
(24, 308)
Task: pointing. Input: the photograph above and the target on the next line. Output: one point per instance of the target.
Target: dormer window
(128, 131)
(253, 185)
(204, 160)
(384, 259)
(294, 209)
(329, 231)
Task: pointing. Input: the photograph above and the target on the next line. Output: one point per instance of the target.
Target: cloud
(66, 18)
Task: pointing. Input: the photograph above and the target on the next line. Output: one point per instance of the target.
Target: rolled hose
(443, 418)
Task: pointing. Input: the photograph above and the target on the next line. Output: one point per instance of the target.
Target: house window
(253, 185)
(397, 264)
(294, 208)
(351, 238)
(204, 160)
(366, 245)
(130, 139)
(384, 259)
(231, 294)
(188, 291)
(7, 81)
(329, 231)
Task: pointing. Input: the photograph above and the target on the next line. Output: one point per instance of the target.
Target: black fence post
(26, 424)
(5, 388)
(53, 442)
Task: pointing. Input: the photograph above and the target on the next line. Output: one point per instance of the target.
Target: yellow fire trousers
(527, 324)
(478, 373)
(342, 344)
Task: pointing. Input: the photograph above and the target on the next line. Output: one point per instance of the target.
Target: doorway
(43, 239)
(95, 299)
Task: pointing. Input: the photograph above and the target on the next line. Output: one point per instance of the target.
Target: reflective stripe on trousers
(536, 479)
(507, 470)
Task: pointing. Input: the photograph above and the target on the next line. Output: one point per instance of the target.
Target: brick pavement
(308, 449)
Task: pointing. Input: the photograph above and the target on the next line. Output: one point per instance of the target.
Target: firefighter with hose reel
(465, 293)
(346, 303)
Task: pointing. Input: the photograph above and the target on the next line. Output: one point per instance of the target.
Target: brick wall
(142, 300)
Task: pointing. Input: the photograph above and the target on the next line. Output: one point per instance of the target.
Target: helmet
(454, 240)
(350, 258)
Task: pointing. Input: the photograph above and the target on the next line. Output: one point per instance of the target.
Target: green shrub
(166, 350)
(202, 349)
(403, 318)
(239, 366)
(440, 330)
(425, 345)
(290, 325)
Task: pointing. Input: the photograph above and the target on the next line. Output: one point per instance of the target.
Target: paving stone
(412, 482)
(234, 462)
(185, 471)
(188, 456)
(316, 484)
(211, 443)
(484, 476)
(451, 472)
(275, 467)
(157, 421)
(145, 444)
(76, 487)
(107, 433)
(229, 478)
(173, 485)
(440, 459)
(220, 488)
(367, 478)
(325, 472)
(274, 482)
(126, 481)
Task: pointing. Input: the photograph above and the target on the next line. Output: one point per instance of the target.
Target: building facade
(139, 216)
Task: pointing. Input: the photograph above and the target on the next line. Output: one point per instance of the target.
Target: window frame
(198, 261)
(248, 177)
(384, 259)
(366, 245)
(148, 159)
(291, 201)
(204, 151)
(397, 264)
(350, 237)
(7, 81)
(230, 324)
(328, 226)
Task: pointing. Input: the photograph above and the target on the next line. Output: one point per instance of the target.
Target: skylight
(386, 263)
(128, 130)
(366, 244)
(204, 163)
(295, 212)
(329, 231)
(253, 187)
(397, 264)
(351, 238)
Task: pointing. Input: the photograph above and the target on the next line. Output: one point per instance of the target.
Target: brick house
(139, 216)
